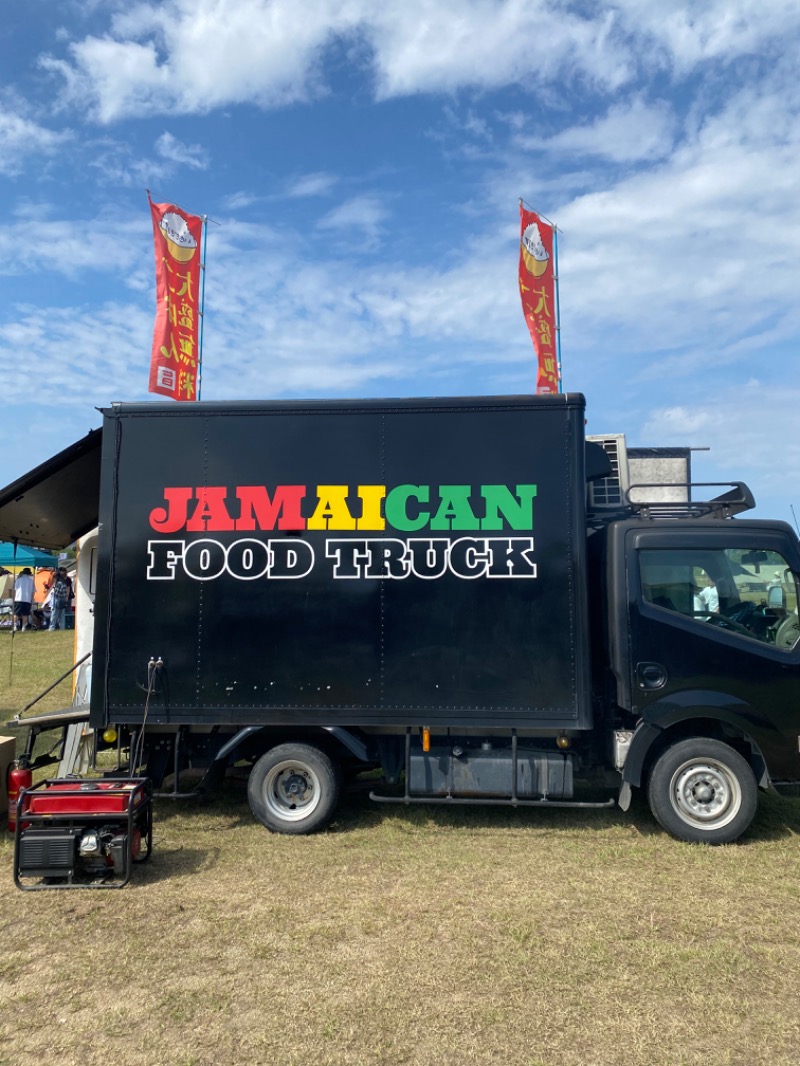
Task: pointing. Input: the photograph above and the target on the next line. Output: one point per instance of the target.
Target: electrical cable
(138, 751)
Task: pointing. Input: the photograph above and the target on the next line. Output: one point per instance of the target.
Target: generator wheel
(702, 790)
(293, 788)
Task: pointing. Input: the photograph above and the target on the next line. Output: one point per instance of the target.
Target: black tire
(702, 790)
(293, 788)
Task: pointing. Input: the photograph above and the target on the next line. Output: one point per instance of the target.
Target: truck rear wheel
(293, 788)
(702, 790)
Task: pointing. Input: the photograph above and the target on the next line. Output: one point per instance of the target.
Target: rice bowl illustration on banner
(539, 293)
(534, 252)
(181, 243)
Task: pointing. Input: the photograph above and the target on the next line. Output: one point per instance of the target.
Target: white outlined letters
(353, 558)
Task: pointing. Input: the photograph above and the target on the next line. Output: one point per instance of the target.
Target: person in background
(776, 595)
(710, 596)
(61, 589)
(777, 581)
(47, 606)
(23, 598)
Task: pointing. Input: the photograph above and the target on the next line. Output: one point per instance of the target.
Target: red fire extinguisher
(19, 776)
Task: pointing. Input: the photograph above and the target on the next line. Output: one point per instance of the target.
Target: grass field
(29, 663)
(412, 936)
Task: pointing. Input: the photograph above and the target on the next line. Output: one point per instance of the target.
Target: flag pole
(558, 307)
(202, 306)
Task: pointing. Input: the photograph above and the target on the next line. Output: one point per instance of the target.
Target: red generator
(82, 834)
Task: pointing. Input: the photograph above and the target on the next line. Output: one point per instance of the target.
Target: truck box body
(359, 563)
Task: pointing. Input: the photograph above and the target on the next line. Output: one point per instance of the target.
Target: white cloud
(20, 138)
(70, 248)
(186, 56)
(282, 316)
(102, 347)
(631, 132)
(285, 315)
(690, 33)
(192, 56)
(185, 155)
(699, 250)
(116, 164)
(754, 416)
(317, 184)
(362, 218)
(239, 201)
(121, 163)
(298, 187)
(682, 423)
(421, 46)
(118, 77)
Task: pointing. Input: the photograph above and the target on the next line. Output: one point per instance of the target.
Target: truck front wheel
(293, 788)
(702, 790)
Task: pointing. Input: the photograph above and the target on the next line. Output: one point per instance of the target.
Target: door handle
(651, 675)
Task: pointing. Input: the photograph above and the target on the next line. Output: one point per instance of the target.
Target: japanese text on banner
(537, 289)
(176, 336)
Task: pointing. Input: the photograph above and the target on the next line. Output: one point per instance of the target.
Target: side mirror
(775, 596)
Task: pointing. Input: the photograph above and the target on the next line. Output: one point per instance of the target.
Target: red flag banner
(176, 337)
(537, 289)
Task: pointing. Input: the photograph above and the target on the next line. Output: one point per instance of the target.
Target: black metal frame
(738, 499)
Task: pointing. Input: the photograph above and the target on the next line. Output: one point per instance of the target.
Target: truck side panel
(357, 564)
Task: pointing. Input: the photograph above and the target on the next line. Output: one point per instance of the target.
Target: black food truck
(316, 589)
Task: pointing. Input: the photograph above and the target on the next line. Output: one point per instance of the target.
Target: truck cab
(701, 634)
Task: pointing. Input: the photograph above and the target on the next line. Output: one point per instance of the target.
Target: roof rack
(739, 498)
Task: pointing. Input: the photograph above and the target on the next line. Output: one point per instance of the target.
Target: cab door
(705, 641)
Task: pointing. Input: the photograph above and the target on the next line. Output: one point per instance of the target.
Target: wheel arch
(650, 740)
(255, 740)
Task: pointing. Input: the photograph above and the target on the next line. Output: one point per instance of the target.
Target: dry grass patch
(407, 937)
(415, 937)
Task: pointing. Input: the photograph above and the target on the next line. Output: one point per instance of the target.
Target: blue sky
(362, 164)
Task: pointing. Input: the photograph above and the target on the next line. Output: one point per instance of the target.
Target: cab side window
(667, 580)
(751, 593)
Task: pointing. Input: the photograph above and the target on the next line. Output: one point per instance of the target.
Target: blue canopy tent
(22, 556)
(16, 559)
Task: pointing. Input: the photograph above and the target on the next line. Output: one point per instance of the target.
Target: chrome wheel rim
(291, 791)
(705, 794)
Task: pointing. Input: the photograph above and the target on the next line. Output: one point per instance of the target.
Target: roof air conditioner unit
(609, 492)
